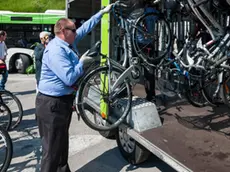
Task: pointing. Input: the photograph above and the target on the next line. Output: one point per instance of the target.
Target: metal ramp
(190, 139)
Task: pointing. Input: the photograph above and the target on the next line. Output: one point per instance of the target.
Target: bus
(27, 26)
(22, 32)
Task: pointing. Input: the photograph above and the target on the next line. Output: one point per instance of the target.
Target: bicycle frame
(213, 27)
(129, 25)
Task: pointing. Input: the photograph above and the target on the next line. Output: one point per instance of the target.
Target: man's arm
(5, 48)
(61, 65)
(88, 26)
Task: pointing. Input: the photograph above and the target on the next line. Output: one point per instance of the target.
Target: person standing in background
(3, 54)
(38, 53)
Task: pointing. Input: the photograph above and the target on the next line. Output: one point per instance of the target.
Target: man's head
(44, 37)
(3, 35)
(65, 29)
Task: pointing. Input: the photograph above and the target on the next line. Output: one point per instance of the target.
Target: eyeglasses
(73, 30)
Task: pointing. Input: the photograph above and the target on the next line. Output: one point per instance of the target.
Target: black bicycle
(6, 150)
(15, 106)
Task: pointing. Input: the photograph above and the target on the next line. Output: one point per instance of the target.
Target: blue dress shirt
(60, 64)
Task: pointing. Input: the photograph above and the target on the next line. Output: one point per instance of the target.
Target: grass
(31, 5)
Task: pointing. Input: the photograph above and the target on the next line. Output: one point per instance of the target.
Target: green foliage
(31, 5)
(30, 69)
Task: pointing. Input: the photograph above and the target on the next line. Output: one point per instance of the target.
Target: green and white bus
(23, 31)
(27, 26)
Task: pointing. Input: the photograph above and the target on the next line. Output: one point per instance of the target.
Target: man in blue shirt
(61, 68)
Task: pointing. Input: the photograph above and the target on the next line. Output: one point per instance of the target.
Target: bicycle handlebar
(156, 1)
(118, 3)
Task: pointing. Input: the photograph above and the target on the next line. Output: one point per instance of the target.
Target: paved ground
(89, 151)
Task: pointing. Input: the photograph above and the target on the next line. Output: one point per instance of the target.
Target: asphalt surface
(88, 150)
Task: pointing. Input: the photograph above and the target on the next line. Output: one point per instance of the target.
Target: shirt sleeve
(5, 48)
(59, 62)
(87, 26)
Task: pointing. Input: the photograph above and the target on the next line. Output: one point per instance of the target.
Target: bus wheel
(22, 63)
(131, 150)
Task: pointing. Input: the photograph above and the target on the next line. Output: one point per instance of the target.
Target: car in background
(19, 59)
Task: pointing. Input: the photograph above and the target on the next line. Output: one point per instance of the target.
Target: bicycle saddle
(95, 50)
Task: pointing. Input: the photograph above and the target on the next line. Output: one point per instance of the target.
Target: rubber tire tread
(139, 155)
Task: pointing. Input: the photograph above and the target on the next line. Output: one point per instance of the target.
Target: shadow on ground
(112, 161)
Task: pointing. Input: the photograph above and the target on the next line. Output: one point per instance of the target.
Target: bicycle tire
(209, 86)
(18, 114)
(7, 126)
(84, 109)
(194, 98)
(162, 49)
(9, 149)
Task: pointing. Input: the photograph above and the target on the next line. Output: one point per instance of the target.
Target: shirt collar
(62, 41)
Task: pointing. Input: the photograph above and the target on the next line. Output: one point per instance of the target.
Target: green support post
(105, 24)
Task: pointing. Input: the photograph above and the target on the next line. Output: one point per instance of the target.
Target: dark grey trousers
(53, 118)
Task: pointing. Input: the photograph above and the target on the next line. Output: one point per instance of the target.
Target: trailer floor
(199, 138)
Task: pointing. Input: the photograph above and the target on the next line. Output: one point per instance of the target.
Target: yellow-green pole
(105, 24)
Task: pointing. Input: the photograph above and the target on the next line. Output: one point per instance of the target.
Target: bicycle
(14, 104)
(214, 56)
(112, 82)
(6, 150)
(119, 80)
(151, 51)
(147, 32)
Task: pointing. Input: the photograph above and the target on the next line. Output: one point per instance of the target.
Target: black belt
(67, 97)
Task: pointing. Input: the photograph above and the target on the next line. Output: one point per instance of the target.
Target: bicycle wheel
(93, 91)
(6, 150)
(151, 37)
(193, 89)
(5, 117)
(209, 86)
(193, 93)
(14, 105)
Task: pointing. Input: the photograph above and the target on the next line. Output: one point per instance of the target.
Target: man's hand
(87, 60)
(107, 9)
(84, 59)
